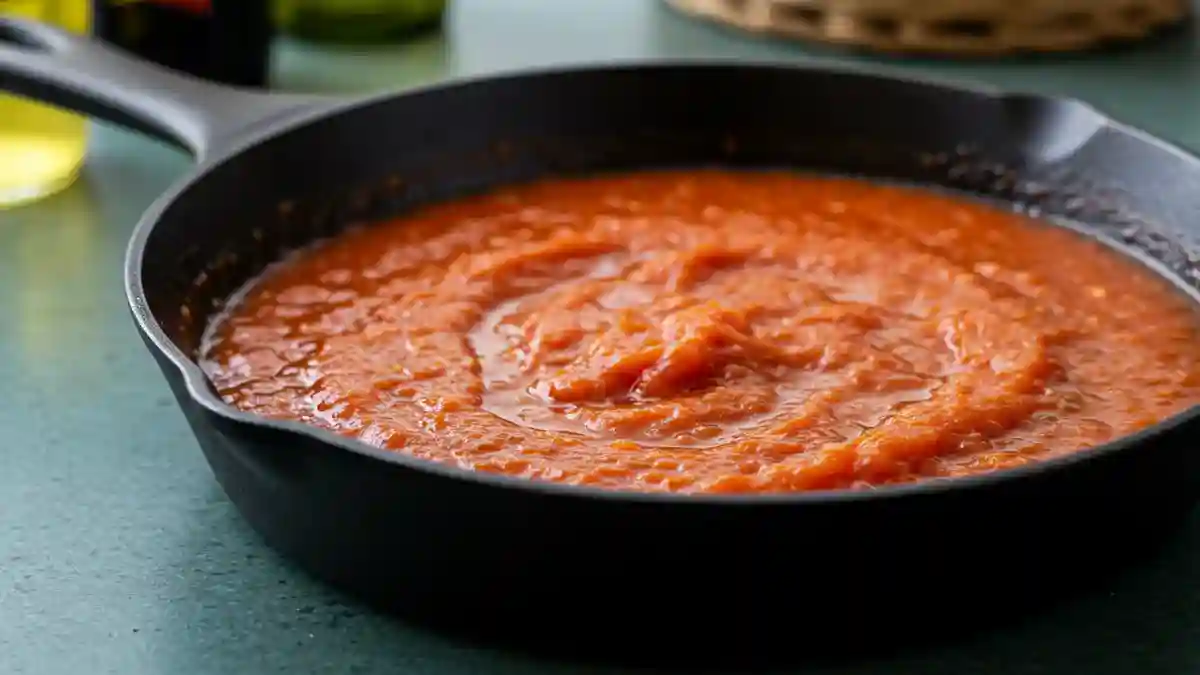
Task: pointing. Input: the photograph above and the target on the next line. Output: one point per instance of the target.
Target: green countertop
(119, 553)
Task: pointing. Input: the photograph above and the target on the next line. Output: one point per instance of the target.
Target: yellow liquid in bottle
(41, 148)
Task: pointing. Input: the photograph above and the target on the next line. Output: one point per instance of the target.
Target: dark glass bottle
(226, 41)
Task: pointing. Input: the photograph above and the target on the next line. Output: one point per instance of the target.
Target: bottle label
(201, 7)
(195, 6)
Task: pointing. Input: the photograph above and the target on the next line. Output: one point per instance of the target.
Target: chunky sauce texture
(712, 332)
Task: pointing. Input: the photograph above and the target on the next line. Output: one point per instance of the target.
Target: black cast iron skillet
(277, 172)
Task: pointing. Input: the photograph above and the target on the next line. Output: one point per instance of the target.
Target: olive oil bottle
(357, 21)
(41, 148)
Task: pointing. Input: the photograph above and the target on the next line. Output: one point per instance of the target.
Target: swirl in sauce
(707, 331)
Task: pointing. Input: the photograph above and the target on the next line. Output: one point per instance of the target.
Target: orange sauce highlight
(706, 331)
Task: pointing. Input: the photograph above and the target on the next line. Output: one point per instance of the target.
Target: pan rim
(200, 392)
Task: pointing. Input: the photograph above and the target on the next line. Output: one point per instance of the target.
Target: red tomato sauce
(708, 331)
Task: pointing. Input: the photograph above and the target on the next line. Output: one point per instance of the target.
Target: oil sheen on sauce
(706, 331)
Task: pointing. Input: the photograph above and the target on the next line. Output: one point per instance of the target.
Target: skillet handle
(56, 67)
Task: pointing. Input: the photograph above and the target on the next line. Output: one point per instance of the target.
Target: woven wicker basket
(978, 27)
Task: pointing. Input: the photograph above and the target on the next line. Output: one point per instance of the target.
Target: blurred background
(359, 46)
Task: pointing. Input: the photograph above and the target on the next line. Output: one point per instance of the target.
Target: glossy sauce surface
(706, 331)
